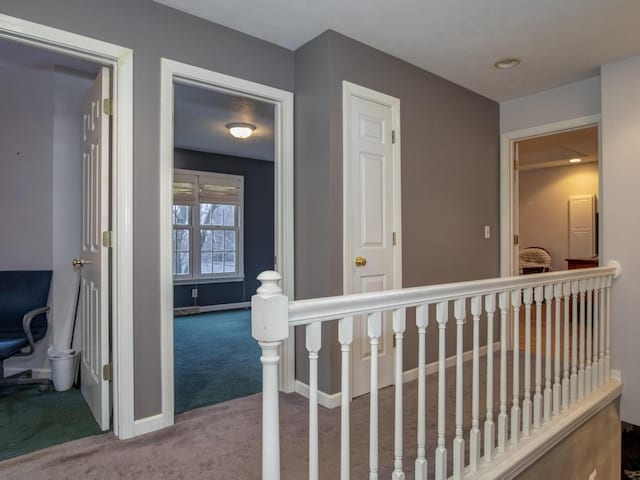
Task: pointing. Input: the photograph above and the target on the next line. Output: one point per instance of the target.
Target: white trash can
(63, 368)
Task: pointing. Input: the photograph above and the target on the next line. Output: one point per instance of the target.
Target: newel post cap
(270, 283)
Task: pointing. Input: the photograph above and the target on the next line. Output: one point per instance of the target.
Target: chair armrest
(26, 325)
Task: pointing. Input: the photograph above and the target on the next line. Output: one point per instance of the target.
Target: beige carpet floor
(223, 441)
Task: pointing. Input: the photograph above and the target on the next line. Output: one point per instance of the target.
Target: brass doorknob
(361, 261)
(80, 262)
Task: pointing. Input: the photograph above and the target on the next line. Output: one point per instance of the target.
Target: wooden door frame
(350, 90)
(171, 72)
(120, 60)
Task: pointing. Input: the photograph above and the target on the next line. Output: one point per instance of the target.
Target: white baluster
(503, 300)
(345, 337)
(374, 330)
(526, 402)
(422, 320)
(595, 378)
(270, 326)
(537, 396)
(566, 293)
(574, 341)
(548, 359)
(603, 326)
(489, 427)
(399, 326)
(474, 435)
(313, 344)
(460, 314)
(516, 301)
(557, 389)
(581, 352)
(442, 315)
(589, 327)
(607, 353)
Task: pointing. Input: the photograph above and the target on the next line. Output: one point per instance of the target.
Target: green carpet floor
(215, 359)
(31, 420)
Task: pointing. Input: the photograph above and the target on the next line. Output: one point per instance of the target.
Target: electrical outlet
(487, 231)
(593, 474)
(194, 293)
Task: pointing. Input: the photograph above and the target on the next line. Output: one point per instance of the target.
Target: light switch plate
(487, 231)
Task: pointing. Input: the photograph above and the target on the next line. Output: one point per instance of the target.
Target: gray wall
(449, 179)
(154, 31)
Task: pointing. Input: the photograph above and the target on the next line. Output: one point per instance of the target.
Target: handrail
(302, 312)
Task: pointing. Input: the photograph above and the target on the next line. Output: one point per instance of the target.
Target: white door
(369, 218)
(515, 204)
(582, 225)
(94, 262)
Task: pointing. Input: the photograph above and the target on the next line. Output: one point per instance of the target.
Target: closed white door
(582, 225)
(369, 216)
(94, 262)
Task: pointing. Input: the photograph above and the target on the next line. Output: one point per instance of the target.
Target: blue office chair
(23, 320)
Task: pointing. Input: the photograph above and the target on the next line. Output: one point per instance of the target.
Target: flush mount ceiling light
(575, 160)
(241, 130)
(507, 63)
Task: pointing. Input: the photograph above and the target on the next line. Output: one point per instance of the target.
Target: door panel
(370, 219)
(94, 279)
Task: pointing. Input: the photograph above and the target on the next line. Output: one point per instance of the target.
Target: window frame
(195, 277)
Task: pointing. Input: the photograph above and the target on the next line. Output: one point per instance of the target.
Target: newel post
(270, 326)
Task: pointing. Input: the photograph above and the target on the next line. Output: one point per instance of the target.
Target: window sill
(201, 280)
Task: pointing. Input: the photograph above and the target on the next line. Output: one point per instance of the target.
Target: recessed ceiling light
(506, 63)
(241, 130)
(575, 160)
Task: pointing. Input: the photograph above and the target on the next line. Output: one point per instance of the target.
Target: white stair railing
(570, 312)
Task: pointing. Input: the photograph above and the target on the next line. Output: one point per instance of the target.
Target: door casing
(120, 60)
(171, 72)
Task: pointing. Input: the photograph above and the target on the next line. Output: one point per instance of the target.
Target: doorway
(372, 223)
(223, 227)
(117, 373)
(55, 165)
(178, 78)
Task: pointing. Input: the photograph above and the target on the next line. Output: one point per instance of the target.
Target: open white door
(94, 261)
(369, 218)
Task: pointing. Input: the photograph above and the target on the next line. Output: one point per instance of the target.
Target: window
(207, 226)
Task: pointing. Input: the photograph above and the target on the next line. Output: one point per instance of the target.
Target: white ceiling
(559, 41)
(201, 116)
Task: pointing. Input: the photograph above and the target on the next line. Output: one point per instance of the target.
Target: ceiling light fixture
(241, 130)
(575, 160)
(507, 63)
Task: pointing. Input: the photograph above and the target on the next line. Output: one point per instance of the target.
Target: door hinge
(107, 239)
(516, 239)
(393, 136)
(515, 164)
(107, 372)
(107, 106)
(394, 238)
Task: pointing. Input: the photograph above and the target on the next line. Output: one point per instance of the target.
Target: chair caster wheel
(45, 387)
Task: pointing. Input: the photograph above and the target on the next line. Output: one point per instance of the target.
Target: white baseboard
(328, 400)
(151, 424)
(192, 310)
(35, 372)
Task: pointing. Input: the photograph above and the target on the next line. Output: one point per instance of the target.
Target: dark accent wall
(450, 173)
(258, 225)
(154, 31)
